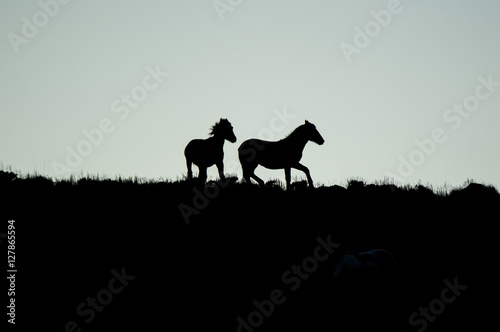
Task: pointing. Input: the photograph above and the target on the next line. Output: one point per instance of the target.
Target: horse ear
(306, 122)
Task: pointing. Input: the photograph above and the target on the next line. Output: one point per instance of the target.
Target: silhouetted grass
(8, 176)
(205, 268)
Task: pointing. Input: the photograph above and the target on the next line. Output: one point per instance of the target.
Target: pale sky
(408, 89)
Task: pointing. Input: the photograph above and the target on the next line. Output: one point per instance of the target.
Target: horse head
(313, 134)
(223, 129)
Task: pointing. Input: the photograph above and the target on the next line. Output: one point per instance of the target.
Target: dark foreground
(119, 255)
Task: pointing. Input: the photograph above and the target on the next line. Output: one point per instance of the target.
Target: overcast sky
(402, 89)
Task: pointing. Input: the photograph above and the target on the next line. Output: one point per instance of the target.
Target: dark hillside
(202, 257)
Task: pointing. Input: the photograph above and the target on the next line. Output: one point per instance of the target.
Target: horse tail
(247, 154)
(189, 159)
(243, 162)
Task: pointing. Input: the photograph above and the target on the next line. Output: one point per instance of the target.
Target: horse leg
(248, 172)
(189, 163)
(246, 175)
(287, 177)
(259, 180)
(304, 169)
(202, 177)
(220, 168)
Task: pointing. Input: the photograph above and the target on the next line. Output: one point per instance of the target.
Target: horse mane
(295, 131)
(217, 126)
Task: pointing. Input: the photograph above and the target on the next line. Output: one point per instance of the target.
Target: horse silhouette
(285, 153)
(207, 152)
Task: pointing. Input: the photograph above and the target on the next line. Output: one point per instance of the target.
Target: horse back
(203, 153)
(273, 155)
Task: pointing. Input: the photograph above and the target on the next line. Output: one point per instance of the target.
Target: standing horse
(285, 153)
(207, 152)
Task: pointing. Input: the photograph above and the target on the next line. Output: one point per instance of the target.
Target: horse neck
(297, 139)
(217, 140)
